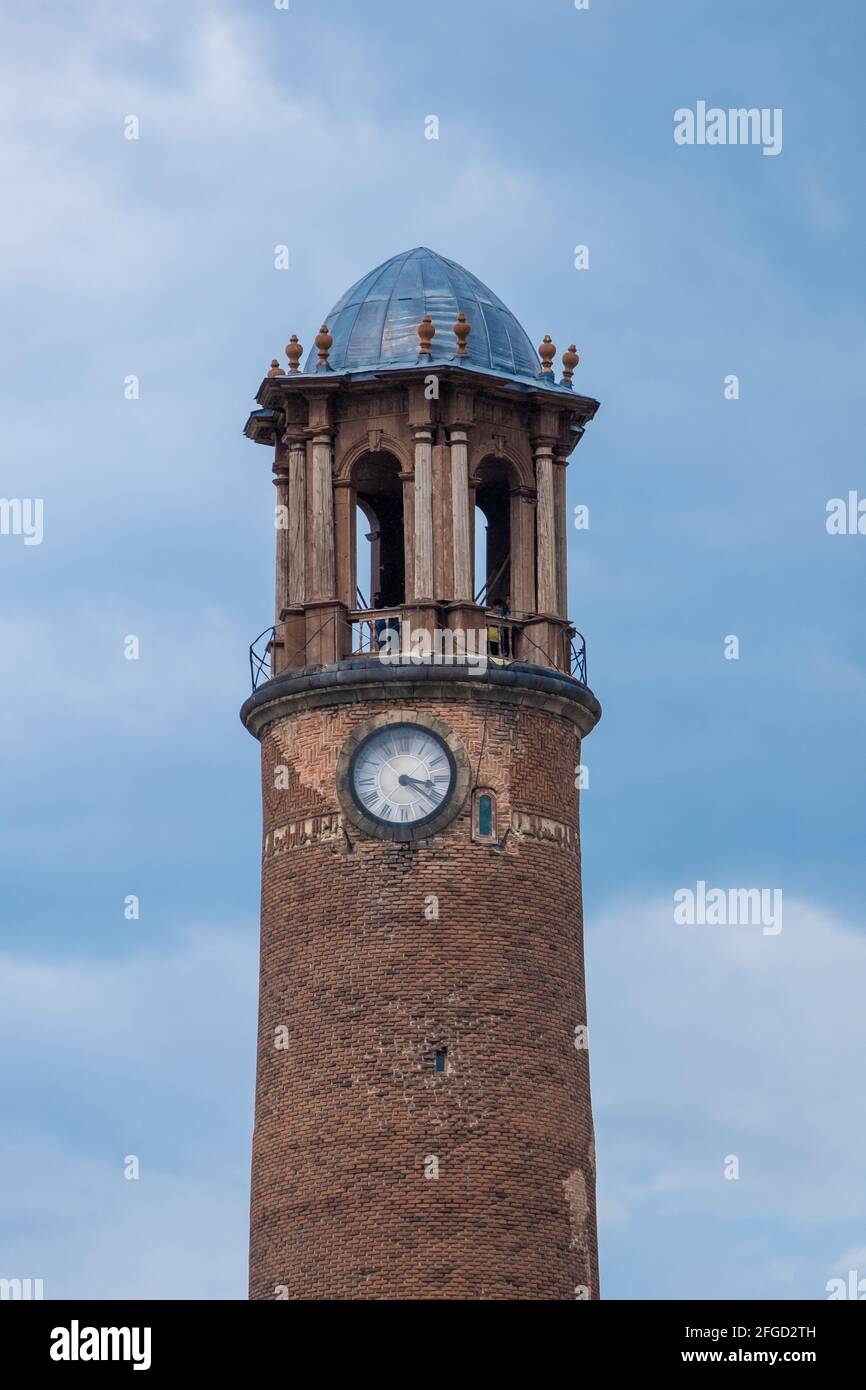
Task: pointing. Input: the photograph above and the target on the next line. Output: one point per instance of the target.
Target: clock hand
(404, 779)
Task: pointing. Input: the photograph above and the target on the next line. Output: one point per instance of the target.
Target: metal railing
(261, 656)
(370, 628)
(578, 657)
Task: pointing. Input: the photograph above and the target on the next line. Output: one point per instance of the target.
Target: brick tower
(423, 1126)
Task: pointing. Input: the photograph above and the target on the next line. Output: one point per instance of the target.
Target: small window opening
(441, 1058)
(484, 816)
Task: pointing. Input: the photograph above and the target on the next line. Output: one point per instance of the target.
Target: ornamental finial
(462, 329)
(426, 334)
(547, 352)
(276, 369)
(324, 343)
(294, 352)
(570, 360)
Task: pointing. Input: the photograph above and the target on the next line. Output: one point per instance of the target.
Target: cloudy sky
(155, 258)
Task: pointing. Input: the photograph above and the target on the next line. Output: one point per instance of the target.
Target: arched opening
(493, 536)
(381, 569)
(484, 815)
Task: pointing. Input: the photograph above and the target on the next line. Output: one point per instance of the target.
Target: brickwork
(374, 956)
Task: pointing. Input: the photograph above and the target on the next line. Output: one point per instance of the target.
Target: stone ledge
(362, 680)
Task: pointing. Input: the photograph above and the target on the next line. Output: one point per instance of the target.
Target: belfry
(423, 1124)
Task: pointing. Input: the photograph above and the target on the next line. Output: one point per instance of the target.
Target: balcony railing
(578, 657)
(261, 657)
(377, 630)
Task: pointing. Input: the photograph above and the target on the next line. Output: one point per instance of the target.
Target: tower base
(423, 1123)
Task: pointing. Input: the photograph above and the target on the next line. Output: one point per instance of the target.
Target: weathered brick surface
(351, 1110)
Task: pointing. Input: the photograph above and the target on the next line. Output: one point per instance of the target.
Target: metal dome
(375, 324)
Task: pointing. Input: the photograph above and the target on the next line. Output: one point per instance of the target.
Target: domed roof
(375, 324)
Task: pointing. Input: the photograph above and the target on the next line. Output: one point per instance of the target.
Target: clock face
(402, 774)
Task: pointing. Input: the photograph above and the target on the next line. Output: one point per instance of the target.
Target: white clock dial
(402, 774)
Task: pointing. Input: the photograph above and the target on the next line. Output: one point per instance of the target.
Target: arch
(378, 492)
(520, 463)
(494, 485)
(385, 444)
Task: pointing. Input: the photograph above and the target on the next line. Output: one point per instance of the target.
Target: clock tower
(423, 1125)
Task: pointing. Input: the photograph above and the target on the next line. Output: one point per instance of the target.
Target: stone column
(290, 636)
(522, 551)
(322, 520)
(296, 534)
(344, 543)
(546, 530)
(561, 532)
(281, 525)
(407, 482)
(460, 513)
(345, 562)
(423, 577)
(443, 545)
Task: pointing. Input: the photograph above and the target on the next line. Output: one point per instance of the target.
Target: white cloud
(148, 1054)
(219, 123)
(710, 1041)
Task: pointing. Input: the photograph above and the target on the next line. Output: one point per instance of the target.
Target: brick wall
(361, 984)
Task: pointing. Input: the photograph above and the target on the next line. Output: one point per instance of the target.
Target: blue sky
(155, 257)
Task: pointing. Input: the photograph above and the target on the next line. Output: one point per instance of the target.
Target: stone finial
(294, 353)
(462, 329)
(547, 352)
(426, 334)
(570, 360)
(324, 343)
(276, 369)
